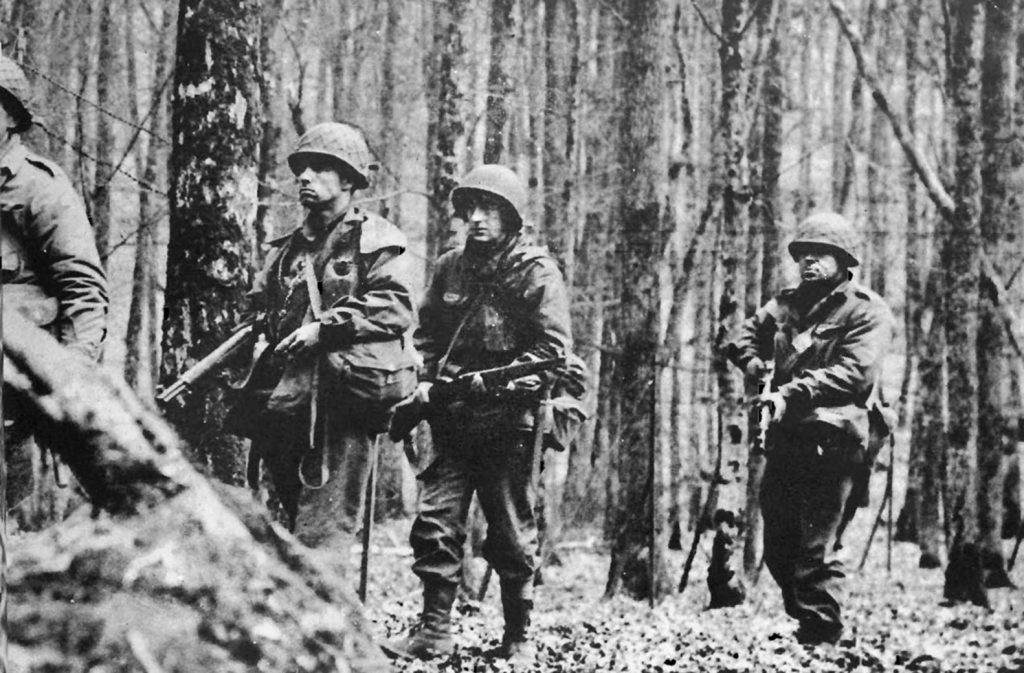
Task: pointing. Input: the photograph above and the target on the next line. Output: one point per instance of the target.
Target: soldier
(828, 337)
(51, 269)
(51, 273)
(492, 302)
(336, 301)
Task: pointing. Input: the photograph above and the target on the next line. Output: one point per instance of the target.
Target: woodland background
(670, 148)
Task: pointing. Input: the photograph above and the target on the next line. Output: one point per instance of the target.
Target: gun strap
(314, 450)
(316, 301)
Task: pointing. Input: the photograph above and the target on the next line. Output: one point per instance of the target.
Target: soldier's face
(321, 186)
(485, 221)
(817, 264)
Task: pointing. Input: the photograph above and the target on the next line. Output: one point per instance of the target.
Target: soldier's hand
(422, 393)
(756, 368)
(776, 404)
(301, 341)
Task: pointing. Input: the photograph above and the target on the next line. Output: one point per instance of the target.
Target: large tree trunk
(644, 220)
(170, 577)
(215, 120)
(1000, 233)
(961, 262)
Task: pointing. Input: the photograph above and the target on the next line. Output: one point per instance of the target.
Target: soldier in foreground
(336, 306)
(51, 273)
(827, 337)
(492, 302)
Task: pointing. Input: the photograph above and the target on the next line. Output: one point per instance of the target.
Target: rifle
(407, 414)
(240, 338)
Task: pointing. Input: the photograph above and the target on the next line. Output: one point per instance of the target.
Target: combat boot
(431, 636)
(516, 646)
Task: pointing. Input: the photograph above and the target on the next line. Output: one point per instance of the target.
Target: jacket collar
(351, 216)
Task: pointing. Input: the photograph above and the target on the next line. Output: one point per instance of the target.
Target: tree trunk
(960, 319)
(907, 523)
(641, 532)
(215, 119)
(270, 127)
(166, 577)
(105, 140)
(880, 203)
(1000, 232)
(928, 436)
(804, 201)
(445, 124)
(764, 212)
(724, 577)
(142, 355)
(499, 82)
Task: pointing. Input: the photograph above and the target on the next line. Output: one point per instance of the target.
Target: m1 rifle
(242, 337)
(407, 414)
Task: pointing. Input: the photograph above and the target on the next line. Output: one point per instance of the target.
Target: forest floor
(896, 620)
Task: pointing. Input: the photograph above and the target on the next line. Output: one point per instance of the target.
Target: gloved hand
(756, 368)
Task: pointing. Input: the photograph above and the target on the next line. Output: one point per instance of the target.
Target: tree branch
(938, 193)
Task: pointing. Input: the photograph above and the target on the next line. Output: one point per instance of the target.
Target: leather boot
(516, 646)
(431, 636)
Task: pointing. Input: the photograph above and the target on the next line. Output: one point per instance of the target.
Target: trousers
(327, 515)
(807, 481)
(499, 469)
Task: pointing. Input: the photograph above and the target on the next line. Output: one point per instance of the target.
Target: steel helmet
(15, 91)
(497, 180)
(343, 142)
(829, 230)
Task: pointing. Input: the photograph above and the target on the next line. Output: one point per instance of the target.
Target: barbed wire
(109, 113)
(100, 162)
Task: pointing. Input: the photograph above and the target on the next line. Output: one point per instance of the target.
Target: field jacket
(51, 269)
(491, 310)
(828, 358)
(367, 311)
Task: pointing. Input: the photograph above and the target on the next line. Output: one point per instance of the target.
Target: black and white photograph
(459, 336)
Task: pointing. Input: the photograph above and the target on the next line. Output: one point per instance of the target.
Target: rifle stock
(239, 339)
(407, 414)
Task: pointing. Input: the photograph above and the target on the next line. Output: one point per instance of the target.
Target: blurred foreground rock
(164, 572)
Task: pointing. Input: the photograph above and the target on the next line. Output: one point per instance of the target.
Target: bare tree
(644, 221)
(1000, 231)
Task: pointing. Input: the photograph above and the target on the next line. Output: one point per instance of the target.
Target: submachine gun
(241, 338)
(407, 414)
